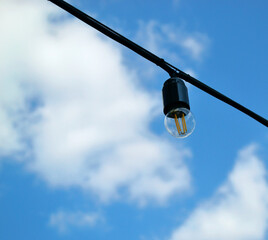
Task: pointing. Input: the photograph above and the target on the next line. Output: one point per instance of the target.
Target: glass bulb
(180, 122)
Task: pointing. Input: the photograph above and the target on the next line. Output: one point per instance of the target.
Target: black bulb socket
(175, 95)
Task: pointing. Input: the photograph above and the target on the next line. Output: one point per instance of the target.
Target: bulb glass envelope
(179, 120)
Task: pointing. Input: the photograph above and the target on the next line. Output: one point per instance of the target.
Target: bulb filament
(183, 123)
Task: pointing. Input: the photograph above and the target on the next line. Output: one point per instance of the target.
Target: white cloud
(194, 45)
(64, 221)
(79, 115)
(159, 37)
(238, 210)
(173, 43)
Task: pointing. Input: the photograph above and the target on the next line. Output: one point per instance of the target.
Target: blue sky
(83, 149)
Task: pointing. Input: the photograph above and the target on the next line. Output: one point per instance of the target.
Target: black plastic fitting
(175, 95)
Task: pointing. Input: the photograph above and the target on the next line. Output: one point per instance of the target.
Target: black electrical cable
(113, 35)
(188, 78)
(170, 69)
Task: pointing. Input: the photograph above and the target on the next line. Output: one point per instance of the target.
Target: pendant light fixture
(179, 120)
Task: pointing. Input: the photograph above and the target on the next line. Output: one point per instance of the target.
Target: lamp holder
(175, 95)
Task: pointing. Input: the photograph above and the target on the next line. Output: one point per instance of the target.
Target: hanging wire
(170, 69)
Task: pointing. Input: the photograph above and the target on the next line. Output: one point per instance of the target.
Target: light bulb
(180, 122)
